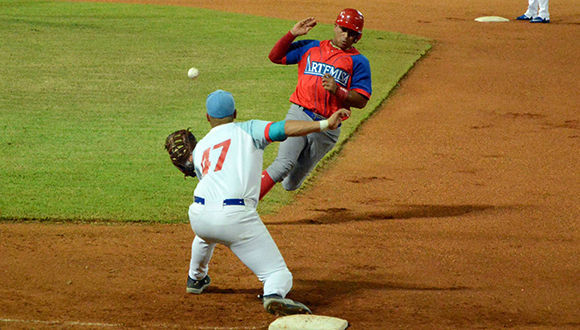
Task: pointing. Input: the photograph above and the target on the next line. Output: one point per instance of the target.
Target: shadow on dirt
(217, 290)
(394, 212)
(322, 292)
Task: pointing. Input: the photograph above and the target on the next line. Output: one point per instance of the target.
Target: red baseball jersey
(315, 58)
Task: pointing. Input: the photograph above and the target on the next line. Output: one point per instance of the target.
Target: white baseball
(193, 73)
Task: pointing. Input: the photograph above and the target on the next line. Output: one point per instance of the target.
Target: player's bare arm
(300, 128)
(303, 27)
(351, 98)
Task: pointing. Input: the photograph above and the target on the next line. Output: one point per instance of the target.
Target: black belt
(230, 201)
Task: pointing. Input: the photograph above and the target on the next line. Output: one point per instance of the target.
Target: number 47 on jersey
(206, 164)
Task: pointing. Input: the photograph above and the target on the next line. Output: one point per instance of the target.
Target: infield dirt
(455, 206)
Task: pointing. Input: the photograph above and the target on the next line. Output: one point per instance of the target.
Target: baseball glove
(180, 145)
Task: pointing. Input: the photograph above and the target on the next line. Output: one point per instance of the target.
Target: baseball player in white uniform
(537, 12)
(228, 163)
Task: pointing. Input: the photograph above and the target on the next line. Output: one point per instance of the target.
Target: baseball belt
(227, 202)
(315, 116)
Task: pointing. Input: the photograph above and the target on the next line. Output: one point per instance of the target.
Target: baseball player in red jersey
(332, 74)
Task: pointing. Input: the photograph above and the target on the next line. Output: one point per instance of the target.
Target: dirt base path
(455, 206)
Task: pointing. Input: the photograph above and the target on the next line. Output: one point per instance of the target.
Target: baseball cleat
(197, 286)
(275, 304)
(523, 18)
(539, 20)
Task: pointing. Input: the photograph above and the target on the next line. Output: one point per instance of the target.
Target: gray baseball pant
(298, 155)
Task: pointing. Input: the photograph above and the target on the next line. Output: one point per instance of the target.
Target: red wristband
(341, 93)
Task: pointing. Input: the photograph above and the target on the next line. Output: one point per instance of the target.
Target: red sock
(267, 184)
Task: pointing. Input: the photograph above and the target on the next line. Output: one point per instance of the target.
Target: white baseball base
(491, 19)
(308, 322)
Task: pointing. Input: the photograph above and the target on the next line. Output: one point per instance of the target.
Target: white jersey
(228, 160)
(228, 163)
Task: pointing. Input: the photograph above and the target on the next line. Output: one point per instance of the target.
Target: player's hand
(329, 83)
(304, 26)
(337, 118)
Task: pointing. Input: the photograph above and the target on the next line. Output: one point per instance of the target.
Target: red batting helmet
(351, 19)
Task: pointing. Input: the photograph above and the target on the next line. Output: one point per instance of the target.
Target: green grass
(89, 91)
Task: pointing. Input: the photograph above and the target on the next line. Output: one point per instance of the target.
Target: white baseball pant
(538, 8)
(243, 232)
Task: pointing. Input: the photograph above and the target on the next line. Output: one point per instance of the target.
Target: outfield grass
(89, 91)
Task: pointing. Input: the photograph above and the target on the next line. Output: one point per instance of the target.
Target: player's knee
(292, 182)
(290, 186)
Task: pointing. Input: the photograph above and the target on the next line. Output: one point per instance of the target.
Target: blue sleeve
(361, 77)
(298, 49)
(277, 131)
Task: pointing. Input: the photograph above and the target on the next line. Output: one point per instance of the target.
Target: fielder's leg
(532, 8)
(261, 255)
(544, 12)
(201, 253)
